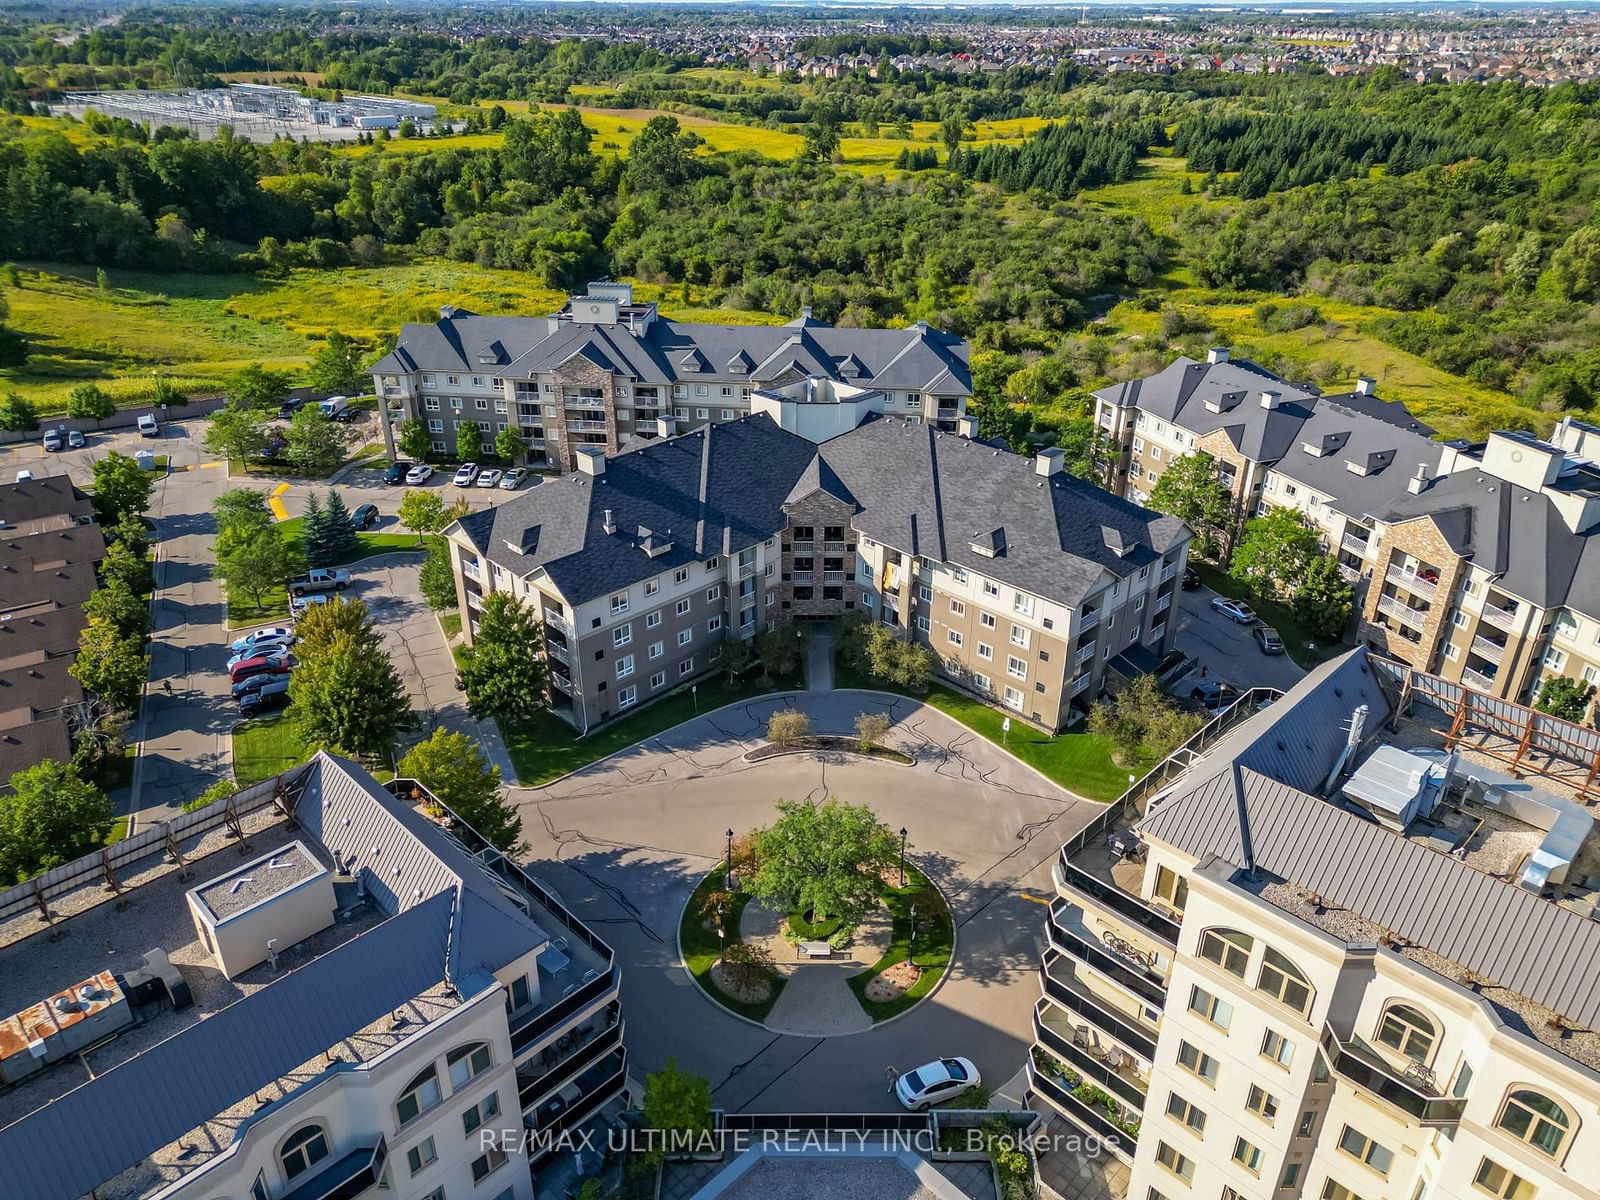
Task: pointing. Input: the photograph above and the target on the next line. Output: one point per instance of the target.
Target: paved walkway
(819, 660)
(816, 1000)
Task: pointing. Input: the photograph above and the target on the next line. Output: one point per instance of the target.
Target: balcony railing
(1355, 545)
(571, 1118)
(1413, 583)
(800, 577)
(563, 1010)
(801, 546)
(1359, 1064)
(1137, 1042)
(1491, 650)
(1506, 618)
(1088, 618)
(469, 568)
(1100, 894)
(1085, 653)
(1081, 682)
(1163, 602)
(1477, 679)
(1095, 1120)
(587, 426)
(561, 683)
(556, 650)
(1348, 573)
(348, 1176)
(533, 1087)
(1086, 1064)
(832, 547)
(1402, 612)
(1168, 571)
(1122, 972)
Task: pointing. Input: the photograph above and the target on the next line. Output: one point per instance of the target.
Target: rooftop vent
(1049, 462)
(1366, 386)
(591, 460)
(1217, 354)
(1418, 482)
(967, 427)
(1271, 399)
(610, 522)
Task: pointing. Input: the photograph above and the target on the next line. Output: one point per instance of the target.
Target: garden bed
(701, 948)
(833, 743)
(930, 956)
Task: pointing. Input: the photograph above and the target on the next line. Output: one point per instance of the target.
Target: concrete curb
(157, 546)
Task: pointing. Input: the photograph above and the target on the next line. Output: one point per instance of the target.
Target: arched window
(467, 1063)
(1536, 1119)
(1228, 948)
(1284, 981)
(1405, 1029)
(303, 1149)
(421, 1094)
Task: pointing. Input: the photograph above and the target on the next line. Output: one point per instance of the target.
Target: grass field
(264, 747)
(275, 603)
(930, 949)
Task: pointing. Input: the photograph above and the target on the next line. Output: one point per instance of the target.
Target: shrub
(787, 726)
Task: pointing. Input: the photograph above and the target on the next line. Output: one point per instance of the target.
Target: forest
(1115, 223)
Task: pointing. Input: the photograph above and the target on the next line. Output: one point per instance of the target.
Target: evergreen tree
(437, 578)
(314, 533)
(341, 541)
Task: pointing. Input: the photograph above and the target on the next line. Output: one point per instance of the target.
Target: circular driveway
(625, 840)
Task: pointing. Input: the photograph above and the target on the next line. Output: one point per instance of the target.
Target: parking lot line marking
(275, 502)
(1034, 899)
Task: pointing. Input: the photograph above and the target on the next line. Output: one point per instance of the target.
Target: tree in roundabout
(823, 864)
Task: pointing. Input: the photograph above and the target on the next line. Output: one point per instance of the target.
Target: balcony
(1085, 653)
(1060, 985)
(346, 1177)
(837, 577)
(581, 1096)
(1114, 1072)
(1489, 649)
(1354, 545)
(557, 651)
(1168, 571)
(1413, 1091)
(832, 547)
(1094, 1119)
(562, 1062)
(1416, 584)
(801, 546)
(1414, 617)
(1506, 618)
(469, 568)
(474, 599)
(587, 426)
(1097, 894)
(561, 683)
(1088, 618)
(1081, 683)
(1163, 602)
(1115, 959)
(555, 620)
(800, 576)
(1477, 679)
(1348, 573)
(746, 570)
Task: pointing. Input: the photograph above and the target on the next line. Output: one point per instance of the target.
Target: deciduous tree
(316, 443)
(1192, 490)
(49, 817)
(121, 486)
(257, 387)
(412, 439)
(437, 578)
(1565, 698)
(1274, 551)
(111, 664)
(1142, 719)
(88, 402)
(872, 729)
(18, 415)
(421, 512)
(469, 442)
(502, 671)
(347, 696)
(252, 560)
(824, 859)
(236, 431)
(508, 444)
(787, 726)
(451, 766)
(677, 1107)
(337, 366)
(1323, 601)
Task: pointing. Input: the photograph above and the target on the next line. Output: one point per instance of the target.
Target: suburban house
(606, 372)
(321, 987)
(1334, 951)
(824, 501)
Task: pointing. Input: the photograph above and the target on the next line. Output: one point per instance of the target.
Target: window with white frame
(684, 606)
(681, 575)
(624, 666)
(986, 620)
(656, 649)
(659, 679)
(985, 652)
(628, 695)
(652, 619)
(1019, 636)
(1013, 699)
(1016, 667)
(958, 607)
(622, 634)
(422, 1156)
(714, 624)
(686, 666)
(619, 604)
(303, 1149)
(990, 588)
(1022, 604)
(713, 594)
(954, 635)
(685, 636)
(481, 1112)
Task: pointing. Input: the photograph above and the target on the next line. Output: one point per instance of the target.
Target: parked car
(1191, 579)
(272, 633)
(489, 478)
(512, 479)
(1213, 693)
(299, 604)
(364, 517)
(265, 698)
(396, 471)
(465, 474)
(24, 476)
(1235, 610)
(319, 579)
(334, 406)
(291, 406)
(251, 683)
(932, 1083)
(420, 473)
(149, 426)
(52, 440)
(76, 440)
(276, 443)
(259, 650)
(261, 664)
(1267, 638)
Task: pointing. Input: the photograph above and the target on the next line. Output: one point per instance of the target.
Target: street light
(902, 856)
(694, 694)
(727, 874)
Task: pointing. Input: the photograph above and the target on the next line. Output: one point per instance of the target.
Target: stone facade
(809, 570)
(1422, 540)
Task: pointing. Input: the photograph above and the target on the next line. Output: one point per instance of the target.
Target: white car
(1235, 610)
(489, 478)
(273, 633)
(934, 1083)
(420, 473)
(24, 476)
(258, 649)
(466, 474)
(299, 604)
(513, 478)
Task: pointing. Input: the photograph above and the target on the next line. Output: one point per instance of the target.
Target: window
(435, 425)
(981, 682)
(1022, 604)
(1291, 1174)
(681, 575)
(683, 607)
(656, 648)
(1016, 667)
(481, 1112)
(1197, 1062)
(1013, 699)
(1337, 1191)
(955, 636)
(1019, 636)
(1203, 1004)
(1228, 948)
(686, 666)
(1171, 888)
(483, 404)
(622, 634)
(1277, 1047)
(1283, 981)
(713, 594)
(421, 1094)
(652, 586)
(959, 607)
(685, 636)
(467, 1062)
(1181, 1110)
(628, 696)
(1247, 1155)
(1364, 1150)
(519, 995)
(258, 1189)
(1263, 1103)
(1174, 1162)
(1497, 1181)
(654, 619)
(487, 1164)
(304, 1149)
(658, 679)
(1308, 1120)
(1405, 1029)
(619, 604)
(714, 624)
(1536, 1119)
(986, 620)
(432, 404)
(985, 652)
(990, 588)
(423, 1154)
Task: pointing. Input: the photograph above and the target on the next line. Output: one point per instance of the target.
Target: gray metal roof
(1266, 770)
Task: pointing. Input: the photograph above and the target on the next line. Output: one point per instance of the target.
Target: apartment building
(608, 372)
(1330, 958)
(1335, 457)
(313, 990)
(1026, 582)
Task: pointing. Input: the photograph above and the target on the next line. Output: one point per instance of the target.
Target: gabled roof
(23, 504)
(819, 477)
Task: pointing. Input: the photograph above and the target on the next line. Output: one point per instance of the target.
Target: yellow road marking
(275, 502)
(203, 466)
(1034, 899)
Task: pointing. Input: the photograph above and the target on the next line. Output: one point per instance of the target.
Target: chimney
(1048, 462)
(610, 522)
(1217, 354)
(1366, 385)
(1418, 483)
(666, 427)
(967, 427)
(805, 312)
(1271, 399)
(591, 460)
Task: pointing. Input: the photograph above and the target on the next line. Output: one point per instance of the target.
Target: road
(1227, 649)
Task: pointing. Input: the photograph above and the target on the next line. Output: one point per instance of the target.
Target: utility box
(259, 910)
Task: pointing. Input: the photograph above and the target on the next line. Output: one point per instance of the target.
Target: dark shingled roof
(50, 631)
(54, 495)
(75, 544)
(27, 745)
(722, 488)
(23, 585)
(43, 687)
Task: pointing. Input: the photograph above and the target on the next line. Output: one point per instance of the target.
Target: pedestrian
(893, 1077)
(1202, 670)
(166, 686)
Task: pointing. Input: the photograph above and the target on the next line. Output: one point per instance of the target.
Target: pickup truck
(319, 579)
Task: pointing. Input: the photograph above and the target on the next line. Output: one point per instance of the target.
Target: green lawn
(935, 939)
(1078, 760)
(275, 604)
(701, 946)
(118, 831)
(1296, 638)
(450, 622)
(547, 747)
(264, 747)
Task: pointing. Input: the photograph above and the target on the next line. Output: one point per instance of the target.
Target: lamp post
(728, 880)
(694, 694)
(902, 856)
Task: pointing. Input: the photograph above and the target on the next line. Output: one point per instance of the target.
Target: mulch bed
(893, 982)
(836, 743)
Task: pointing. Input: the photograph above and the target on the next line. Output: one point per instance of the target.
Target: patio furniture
(553, 958)
(815, 950)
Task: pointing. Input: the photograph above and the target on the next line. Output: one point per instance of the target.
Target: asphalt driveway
(1226, 649)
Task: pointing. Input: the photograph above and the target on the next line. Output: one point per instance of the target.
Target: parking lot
(1226, 649)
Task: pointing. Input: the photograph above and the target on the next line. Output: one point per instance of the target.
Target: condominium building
(1024, 581)
(323, 987)
(1330, 950)
(608, 372)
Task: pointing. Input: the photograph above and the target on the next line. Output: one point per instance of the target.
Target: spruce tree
(340, 538)
(314, 530)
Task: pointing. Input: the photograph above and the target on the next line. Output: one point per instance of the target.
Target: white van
(333, 406)
(148, 426)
